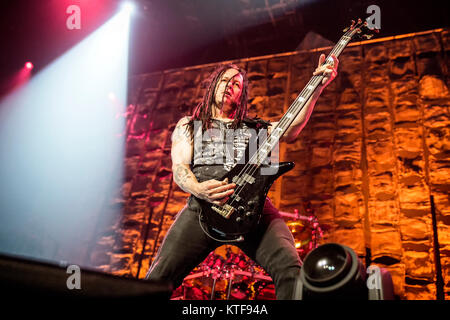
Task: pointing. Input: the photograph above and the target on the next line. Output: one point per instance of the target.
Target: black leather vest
(218, 149)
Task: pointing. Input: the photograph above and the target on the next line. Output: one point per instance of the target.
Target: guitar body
(243, 210)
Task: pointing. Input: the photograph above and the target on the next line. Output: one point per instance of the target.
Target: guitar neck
(298, 104)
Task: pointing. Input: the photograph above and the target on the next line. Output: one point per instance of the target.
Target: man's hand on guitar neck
(329, 70)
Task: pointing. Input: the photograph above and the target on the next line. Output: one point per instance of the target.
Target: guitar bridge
(225, 211)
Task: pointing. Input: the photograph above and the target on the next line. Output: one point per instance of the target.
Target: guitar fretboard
(298, 104)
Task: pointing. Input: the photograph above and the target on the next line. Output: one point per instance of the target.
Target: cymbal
(295, 226)
(301, 243)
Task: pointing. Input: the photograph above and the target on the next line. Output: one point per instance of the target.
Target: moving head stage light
(333, 271)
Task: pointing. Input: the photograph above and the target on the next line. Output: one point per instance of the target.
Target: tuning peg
(359, 20)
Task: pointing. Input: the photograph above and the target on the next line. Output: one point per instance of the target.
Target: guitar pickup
(225, 211)
(248, 178)
(243, 178)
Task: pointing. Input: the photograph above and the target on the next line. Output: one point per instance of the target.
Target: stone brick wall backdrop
(374, 151)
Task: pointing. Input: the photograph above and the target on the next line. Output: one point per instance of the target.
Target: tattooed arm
(182, 151)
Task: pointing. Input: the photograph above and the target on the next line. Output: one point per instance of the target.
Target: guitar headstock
(360, 29)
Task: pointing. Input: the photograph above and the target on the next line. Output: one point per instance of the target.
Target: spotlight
(29, 65)
(128, 7)
(333, 271)
(111, 96)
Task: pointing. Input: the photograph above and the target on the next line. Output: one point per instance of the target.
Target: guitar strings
(336, 50)
(282, 122)
(249, 168)
(314, 81)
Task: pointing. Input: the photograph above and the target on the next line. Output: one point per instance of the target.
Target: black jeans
(271, 245)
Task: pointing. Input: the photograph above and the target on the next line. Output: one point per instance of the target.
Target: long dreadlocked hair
(203, 111)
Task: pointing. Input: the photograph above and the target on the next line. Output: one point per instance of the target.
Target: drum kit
(306, 231)
(228, 274)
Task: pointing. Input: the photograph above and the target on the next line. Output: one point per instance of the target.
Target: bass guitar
(234, 219)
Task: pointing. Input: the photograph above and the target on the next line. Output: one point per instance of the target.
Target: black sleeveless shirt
(218, 149)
